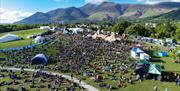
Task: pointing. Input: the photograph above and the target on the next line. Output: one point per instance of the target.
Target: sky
(15, 10)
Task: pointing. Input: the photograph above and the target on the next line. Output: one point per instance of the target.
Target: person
(178, 80)
(138, 78)
(166, 89)
(80, 81)
(155, 88)
(110, 88)
(71, 76)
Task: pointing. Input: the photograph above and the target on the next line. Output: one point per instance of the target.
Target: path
(83, 84)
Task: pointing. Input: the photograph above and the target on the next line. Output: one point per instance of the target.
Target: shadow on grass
(157, 60)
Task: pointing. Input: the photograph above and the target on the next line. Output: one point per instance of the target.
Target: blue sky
(15, 10)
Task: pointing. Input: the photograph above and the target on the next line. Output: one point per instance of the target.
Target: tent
(155, 69)
(143, 62)
(39, 58)
(39, 39)
(45, 27)
(111, 38)
(9, 37)
(169, 40)
(135, 52)
(67, 31)
(163, 54)
(142, 67)
(144, 56)
(76, 30)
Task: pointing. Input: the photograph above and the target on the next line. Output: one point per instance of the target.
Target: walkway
(83, 84)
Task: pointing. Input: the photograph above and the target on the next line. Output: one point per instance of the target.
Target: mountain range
(106, 10)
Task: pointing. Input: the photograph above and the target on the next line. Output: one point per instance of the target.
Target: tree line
(165, 29)
(17, 27)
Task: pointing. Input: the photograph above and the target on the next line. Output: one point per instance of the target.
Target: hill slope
(173, 15)
(99, 12)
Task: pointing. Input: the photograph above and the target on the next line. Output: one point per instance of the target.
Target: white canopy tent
(144, 56)
(39, 39)
(76, 30)
(9, 37)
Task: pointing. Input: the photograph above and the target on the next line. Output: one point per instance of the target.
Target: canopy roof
(143, 62)
(9, 37)
(39, 39)
(137, 50)
(39, 58)
(155, 69)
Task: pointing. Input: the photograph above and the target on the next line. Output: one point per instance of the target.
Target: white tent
(135, 52)
(9, 37)
(45, 27)
(39, 39)
(76, 30)
(144, 56)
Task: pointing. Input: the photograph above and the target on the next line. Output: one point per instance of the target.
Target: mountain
(168, 4)
(37, 18)
(67, 14)
(173, 15)
(104, 11)
(88, 8)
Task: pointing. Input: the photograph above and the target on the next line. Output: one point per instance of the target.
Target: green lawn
(148, 85)
(13, 44)
(168, 64)
(23, 34)
(64, 83)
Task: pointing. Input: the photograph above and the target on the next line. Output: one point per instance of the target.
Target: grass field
(47, 81)
(23, 34)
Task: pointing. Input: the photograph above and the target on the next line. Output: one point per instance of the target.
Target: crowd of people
(23, 81)
(83, 56)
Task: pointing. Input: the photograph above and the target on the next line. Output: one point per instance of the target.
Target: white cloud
(156, 1)
(10, 16)
(95, 1)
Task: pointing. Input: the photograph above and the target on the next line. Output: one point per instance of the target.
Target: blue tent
(39, 58)
(163, 54)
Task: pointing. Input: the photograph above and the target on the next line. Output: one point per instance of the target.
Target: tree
(92, 28)
(120, 27)
(150, 31)
(177, 35)
(136, 29)
(165, 30)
